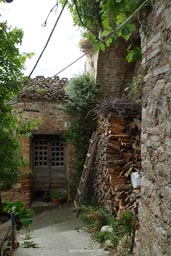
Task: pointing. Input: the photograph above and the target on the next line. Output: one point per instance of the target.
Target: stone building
(49, 156)
(153, 237)
(155, 204)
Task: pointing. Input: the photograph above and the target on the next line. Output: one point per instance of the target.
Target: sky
(63, 48)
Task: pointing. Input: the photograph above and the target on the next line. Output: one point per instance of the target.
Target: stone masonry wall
(154, 235)
(111, 70)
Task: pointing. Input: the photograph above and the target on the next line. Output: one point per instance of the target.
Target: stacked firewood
(117, 157)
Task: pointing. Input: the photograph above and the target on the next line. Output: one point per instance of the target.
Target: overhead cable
(51, 33)
(45, 22)
(104, 38)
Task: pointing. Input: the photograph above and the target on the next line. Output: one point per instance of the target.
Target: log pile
(117, 157)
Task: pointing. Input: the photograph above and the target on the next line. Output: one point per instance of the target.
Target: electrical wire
(51, 33)
(104, 38)
(45, 22)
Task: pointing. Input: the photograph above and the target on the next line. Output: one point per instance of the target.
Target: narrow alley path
(57, 232)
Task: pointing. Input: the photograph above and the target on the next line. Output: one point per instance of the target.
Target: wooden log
(137, 191)
(117, 120)
(123, 187)
(121, 195)
(116, 128)
(112, 157)
(121, 136)
(116, 146)
(116, 180)
(122, 205)
(128, 172)
(130, 204)
(114, 170)
(127, 156)
(119, 162)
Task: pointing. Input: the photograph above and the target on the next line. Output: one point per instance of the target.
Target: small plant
(22, 215)
(128, 222)
(29, 244)
(104, 236)
(95, 218)
(27, 234)
(59, 194)
(134, 89)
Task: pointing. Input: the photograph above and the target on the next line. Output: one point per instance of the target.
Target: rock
(106, 229)
(108, 243)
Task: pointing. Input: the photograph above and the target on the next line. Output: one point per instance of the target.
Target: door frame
(50, 135)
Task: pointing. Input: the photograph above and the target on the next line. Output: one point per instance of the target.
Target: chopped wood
(120, 136)
(117, 156)
(114, 170)
(126, 174)
(123, 187)
(116, 120)
(115, 146)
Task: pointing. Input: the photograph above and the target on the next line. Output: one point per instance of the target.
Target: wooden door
(48, 161)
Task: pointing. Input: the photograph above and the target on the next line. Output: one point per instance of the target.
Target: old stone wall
(155, 205)
(111, 70)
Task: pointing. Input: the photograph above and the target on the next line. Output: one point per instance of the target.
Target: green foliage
(104, 236)
(11, 82)
(22, 215)
(126, 222)
(82, 92)
(29, 244)
(134, 89)
(133, 54)
(95, 218)
(100, 17)
(59, 194)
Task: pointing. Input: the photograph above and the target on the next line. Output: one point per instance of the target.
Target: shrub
(22, 216)
(94, 218)
(82, 92)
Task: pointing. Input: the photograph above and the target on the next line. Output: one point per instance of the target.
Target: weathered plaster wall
(155, 205)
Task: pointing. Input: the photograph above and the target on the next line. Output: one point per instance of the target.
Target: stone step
(56, 252)
(57, 228)
(70, 239)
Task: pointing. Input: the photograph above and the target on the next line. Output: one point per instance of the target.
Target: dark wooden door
(48, 162)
